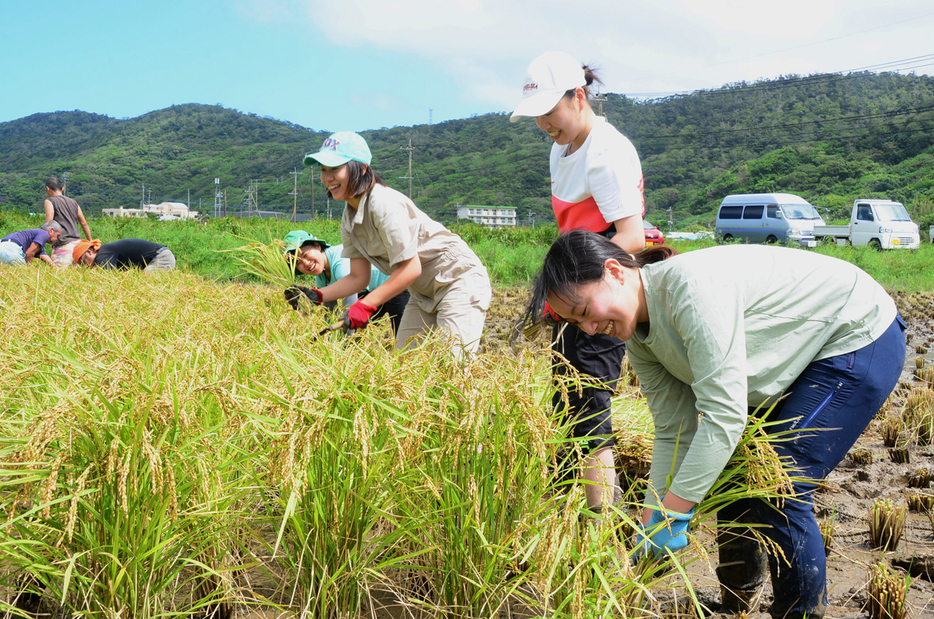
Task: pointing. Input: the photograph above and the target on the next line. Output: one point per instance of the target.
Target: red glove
(549, 315)
(359, 314)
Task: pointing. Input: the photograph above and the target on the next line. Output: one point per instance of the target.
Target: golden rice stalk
(886, 524)
(861, 456)
(269, 262)
(888, 593)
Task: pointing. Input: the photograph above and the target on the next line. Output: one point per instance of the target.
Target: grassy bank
(512, 256)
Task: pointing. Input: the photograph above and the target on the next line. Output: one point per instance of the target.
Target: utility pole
(252, 200)
(409, 148)
(217, 197)
(311, 179)
(600, 98)
(142, 199)
(295, 175)
(64, 181)
(429, 115)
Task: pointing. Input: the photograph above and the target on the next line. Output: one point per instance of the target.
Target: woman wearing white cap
(596, 185)
(449, 287)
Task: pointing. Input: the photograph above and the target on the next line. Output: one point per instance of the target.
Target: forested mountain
(830, 138)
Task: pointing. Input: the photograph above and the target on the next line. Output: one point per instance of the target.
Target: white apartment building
(490, 216)
(165, 210)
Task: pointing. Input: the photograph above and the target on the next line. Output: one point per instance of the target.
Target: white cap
(546, 80)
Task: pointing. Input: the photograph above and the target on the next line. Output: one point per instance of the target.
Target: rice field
(172, 446)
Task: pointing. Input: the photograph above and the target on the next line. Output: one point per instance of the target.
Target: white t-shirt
(599, 183)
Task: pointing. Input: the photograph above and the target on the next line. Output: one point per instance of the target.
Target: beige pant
(164, 261)
(461, 313)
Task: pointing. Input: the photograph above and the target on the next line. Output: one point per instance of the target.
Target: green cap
(298, 238)
(340, 148)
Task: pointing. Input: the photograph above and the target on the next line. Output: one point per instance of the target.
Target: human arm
(84, 224)
(49, 211)
(340, 268)
(352, 283)
(46, 258)
(693, 374)
(614, 176)
(34, 250)
(630, 235)
(405, 273)
(673, 406)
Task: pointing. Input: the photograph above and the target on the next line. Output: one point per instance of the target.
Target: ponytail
(590, 76)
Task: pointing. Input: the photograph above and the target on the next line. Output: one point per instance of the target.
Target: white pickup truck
(883, 224)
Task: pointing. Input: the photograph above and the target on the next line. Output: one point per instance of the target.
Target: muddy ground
(850, 490)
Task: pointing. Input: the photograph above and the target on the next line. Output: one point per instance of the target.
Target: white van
(767, 218)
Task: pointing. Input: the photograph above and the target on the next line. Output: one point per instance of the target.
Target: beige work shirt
(387, 228)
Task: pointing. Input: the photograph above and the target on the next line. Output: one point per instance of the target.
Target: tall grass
(167, 443)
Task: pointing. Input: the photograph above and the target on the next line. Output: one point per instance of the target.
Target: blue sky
(365, 64)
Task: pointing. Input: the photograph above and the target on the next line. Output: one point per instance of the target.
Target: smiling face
(569, 121)
(613, 305)
(337, 182)
(311, 260)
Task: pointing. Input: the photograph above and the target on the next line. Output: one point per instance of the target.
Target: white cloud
(642, 47)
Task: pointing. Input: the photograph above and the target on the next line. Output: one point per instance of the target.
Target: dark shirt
(65, 212)
(127, 254)
(25, 238)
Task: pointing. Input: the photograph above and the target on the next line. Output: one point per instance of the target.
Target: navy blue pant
(839, 396)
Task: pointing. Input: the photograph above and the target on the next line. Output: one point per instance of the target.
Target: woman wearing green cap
(313, 256)
(449, 287)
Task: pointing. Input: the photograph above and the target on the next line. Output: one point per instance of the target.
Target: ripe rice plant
(122, 509)
(886, 524)
(166, 441)
(267, 262)
(887, 593)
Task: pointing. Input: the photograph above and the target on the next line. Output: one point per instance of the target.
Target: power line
(915, 62)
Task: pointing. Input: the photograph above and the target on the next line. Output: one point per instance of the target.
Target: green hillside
(830, 138)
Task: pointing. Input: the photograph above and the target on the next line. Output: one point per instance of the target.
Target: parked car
(767, 218)
(653, 236)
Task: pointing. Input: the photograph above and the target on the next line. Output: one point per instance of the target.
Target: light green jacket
(732, 327)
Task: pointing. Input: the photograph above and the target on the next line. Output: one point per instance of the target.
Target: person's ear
(614, 269)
